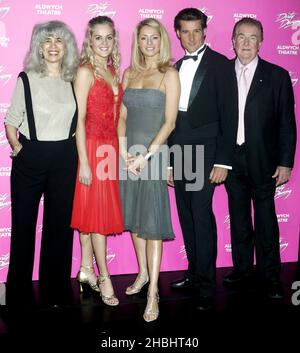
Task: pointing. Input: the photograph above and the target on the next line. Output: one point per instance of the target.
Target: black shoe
(182, 283)
(274, 290)
(235, 276)
(205, 303)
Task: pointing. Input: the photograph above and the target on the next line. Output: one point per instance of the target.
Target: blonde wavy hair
(137, 57)
(87, 56)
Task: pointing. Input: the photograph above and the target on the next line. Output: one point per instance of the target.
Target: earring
(41, 53)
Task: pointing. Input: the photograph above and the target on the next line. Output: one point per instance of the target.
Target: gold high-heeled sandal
(150, 314)
(110, 300)
(85, 278)
(135, 288)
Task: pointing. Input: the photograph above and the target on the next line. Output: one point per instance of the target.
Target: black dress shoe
(205, 303)
(274, 290)
(237, 277)
(182, 283)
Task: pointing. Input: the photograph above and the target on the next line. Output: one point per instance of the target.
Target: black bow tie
(194, 57)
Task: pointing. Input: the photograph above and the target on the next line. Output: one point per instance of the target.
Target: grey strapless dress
(145, 198)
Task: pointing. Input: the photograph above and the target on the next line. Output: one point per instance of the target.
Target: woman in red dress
(97, 209)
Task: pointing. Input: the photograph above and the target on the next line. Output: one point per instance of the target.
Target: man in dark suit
(203, 120)
(264, 155)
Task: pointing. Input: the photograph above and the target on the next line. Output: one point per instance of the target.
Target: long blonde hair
(87, 55)
(137, 57)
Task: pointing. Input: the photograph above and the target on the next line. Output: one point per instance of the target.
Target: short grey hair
(249, 21)
(57, 29)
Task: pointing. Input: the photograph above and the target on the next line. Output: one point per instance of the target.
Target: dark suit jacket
(270, 128)
(210, 106)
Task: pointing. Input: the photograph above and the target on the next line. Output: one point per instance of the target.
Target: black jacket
(270, 127)
(211, 102)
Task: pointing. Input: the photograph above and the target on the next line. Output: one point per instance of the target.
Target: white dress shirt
(187, 72)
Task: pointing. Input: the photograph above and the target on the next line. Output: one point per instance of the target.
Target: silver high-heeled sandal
(150, 314)
(84, 277)
(136, 287)
(110, 300)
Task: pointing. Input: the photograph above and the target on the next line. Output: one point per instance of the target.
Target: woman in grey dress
(148, 114)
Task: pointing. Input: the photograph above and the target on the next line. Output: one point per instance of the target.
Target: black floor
(242, 319)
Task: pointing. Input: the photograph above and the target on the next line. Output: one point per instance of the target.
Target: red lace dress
(97, 208)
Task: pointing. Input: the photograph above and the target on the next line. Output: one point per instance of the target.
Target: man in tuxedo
(263, 159)
(203, 120)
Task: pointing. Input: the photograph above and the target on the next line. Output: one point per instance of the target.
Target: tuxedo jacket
(269, 118)
(210, 103)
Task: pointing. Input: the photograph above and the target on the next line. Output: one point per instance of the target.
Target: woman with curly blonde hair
(97, 209)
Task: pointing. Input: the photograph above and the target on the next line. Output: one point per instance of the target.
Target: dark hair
(190, 14)
(248, 21)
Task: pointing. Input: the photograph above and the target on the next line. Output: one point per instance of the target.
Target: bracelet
(148, 156)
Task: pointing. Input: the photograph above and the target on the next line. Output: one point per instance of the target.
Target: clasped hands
(134, 164)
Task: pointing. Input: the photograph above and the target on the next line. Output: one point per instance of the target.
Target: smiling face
(149, 41)
(102, 41)
(53, 50)
(191, 35)
(247, 42)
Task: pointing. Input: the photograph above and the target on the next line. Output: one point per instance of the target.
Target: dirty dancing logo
(205, 11)
(4, 78)
(4, 201)
(100, 10)
(282, 192)
(182, 252)
(287, 20)
(4, 10)
(294, 79)
(4, 261)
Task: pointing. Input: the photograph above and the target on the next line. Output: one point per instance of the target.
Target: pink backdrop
(281, 22)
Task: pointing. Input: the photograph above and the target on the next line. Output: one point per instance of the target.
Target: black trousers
(49, 169)
(195, 211)
(264, 234)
